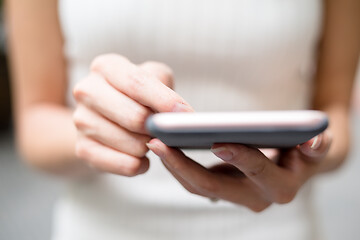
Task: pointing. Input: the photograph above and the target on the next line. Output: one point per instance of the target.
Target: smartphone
(261, 129)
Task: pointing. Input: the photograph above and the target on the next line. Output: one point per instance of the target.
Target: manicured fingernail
(223, 153)
(316, 142)
(181, 107)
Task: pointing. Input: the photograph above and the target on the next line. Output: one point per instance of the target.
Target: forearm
(46, 139)
(337, 64)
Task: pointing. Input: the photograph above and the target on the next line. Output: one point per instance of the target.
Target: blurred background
(27, 197)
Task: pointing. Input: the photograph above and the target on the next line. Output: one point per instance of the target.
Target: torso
(226, 55)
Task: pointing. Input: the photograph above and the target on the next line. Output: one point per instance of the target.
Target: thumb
(161, 71)
(316, 148)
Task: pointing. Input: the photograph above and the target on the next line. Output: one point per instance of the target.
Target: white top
(226, 55)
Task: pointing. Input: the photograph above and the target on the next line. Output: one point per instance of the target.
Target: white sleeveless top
(226, 55)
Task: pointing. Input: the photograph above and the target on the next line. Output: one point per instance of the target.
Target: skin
(81, 142)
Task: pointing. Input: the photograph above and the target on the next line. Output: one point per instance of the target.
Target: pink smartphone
(262, 129)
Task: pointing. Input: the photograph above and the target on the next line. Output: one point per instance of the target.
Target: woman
(227, 55)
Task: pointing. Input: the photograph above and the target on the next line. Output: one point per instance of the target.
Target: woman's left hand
(247, 177)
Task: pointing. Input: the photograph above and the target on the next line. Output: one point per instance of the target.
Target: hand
(114, 101)
(247, 177)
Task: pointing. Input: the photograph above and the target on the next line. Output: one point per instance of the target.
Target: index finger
(276, 182)
(137, 83)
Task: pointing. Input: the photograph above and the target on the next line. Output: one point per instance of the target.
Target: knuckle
(168, 81)
(166, 70)
(80, 91)
(259, 207)
(98, 61)
(162, 71)
(132, 168)
(257, 170)
(86, 90)
(191, 190)
(179, 166)
(175, 166)
(209, 186)
(138, 119)
(78, 120)
(141, 150)
(244, 159)
(284, 196)
(82, 150)
(241, 155)
(137, 80)
(81, 121)
(102, 61)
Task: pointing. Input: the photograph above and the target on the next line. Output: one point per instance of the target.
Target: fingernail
(223, 153)
(150, 145)
(181, 107)
(154, 148)
(316, 142)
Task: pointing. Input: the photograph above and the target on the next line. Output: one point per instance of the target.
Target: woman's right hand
(114, 101)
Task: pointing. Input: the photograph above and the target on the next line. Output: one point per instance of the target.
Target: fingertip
(316, 142)
(228, 145)
(233, 152)
(317, 146)
(236, 148)
(306, 149)
(217, 145)
(182, 107)
(162, 71)
(145, 165)
(223, 152)
(311, 145)
(157, 147)
(155, 142)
